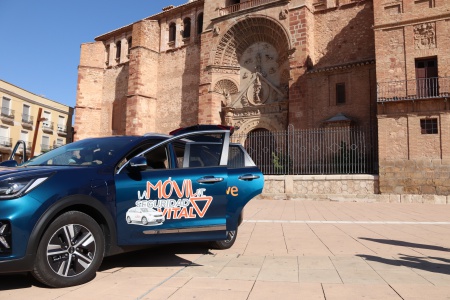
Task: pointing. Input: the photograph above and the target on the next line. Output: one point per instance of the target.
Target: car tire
(70, 251)
(128, 220)
(227, 243)
(144, 220)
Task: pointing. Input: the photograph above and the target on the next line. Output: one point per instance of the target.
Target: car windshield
(86, 152)
(144, 210)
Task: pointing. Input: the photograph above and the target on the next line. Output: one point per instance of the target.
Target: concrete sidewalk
(285, 250)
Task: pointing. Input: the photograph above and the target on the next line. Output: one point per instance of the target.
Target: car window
(85, 152)
(202, 154)
(179, 153)
(157, 158)
(236, 157)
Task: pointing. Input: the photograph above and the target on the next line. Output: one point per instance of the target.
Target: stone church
(270, 64)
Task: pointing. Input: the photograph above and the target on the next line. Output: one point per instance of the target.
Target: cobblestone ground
(285, 250)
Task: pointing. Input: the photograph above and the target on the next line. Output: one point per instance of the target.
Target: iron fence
(339, 150)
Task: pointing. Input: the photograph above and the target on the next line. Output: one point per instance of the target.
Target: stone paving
(285, 250)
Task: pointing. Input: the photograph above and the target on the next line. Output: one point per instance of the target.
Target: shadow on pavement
(414, 262)
(406, 244)
(159, 256)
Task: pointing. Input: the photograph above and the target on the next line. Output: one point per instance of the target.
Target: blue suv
(63, 211)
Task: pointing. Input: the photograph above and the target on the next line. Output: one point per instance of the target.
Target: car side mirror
(138, 163)
(9, 163)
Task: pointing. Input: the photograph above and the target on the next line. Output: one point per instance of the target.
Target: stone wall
(319, 186)
(412, 162)
(347, 188)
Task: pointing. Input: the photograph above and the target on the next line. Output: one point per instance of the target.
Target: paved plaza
(285, 250)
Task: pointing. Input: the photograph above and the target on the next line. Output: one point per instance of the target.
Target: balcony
(416, 89)
(5, 142)
(27, 120)
(47, 127)
(7, 115)
(62, 130)
(241, 6)
(45, 148)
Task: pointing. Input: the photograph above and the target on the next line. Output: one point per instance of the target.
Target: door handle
(248, 177)
(211, 179)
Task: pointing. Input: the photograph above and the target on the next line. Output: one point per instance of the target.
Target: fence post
(289, 155)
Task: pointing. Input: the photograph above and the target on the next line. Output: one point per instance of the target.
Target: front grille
(5, 238)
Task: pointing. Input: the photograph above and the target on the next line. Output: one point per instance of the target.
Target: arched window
(118, 50)
(186, 28)
(172, 32)
(130, 43)
(200, 23)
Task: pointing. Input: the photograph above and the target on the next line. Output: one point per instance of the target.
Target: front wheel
(70, 251)
(227, 243)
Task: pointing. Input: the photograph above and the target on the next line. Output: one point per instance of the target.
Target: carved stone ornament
(283, 14)
(216, 30)
(425, 36)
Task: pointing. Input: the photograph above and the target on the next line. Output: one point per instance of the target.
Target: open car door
(174, 191)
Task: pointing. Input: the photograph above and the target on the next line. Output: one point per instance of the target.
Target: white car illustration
(144, 215)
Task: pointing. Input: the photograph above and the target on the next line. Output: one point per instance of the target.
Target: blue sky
(40, 44)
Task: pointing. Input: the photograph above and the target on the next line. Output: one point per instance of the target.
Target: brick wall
(89, 91)
(412, 162)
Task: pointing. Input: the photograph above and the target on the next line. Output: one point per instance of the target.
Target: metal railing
(62, 128)
(5, 141)
(6, 112)
(423, 88)
(45, 147)
(338, 150)
(27, 119)
(240, 6)
(47, 125)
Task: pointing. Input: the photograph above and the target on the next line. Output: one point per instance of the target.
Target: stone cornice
(414, 21)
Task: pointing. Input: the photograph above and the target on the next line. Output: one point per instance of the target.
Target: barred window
(429, 126)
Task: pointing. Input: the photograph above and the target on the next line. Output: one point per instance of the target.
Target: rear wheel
(227, 243)
(70, 251)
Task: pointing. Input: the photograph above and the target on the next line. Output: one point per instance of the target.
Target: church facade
(268, 64)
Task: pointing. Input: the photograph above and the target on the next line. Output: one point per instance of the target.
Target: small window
(24, 135)
(6, 107)
(340, 93)
(47, 119)
(130, 43)
(45, 146)
(118, 50)
(172, 31)
(107, 54)
(429, 126)
(200, 23)
(26, 114)
(186, 28)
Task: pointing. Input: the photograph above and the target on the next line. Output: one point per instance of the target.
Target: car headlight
(15, 187)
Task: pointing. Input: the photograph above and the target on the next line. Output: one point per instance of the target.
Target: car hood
(5, 172)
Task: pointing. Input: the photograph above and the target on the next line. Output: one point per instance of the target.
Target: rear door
(245, 181)
(182, 191)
